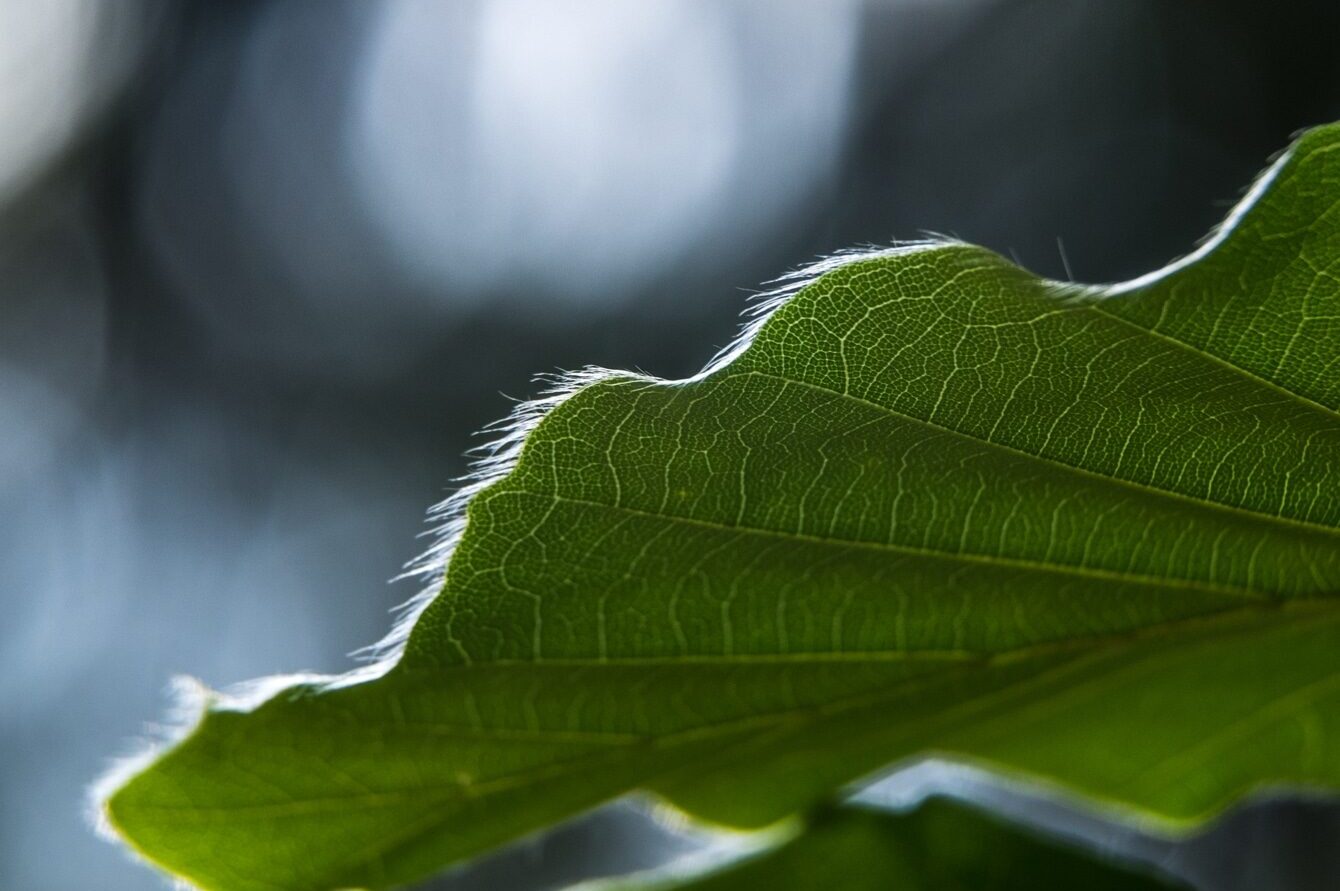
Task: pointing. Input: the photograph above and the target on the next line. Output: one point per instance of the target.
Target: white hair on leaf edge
(498, 457)
(188, 698)
(1216, 236)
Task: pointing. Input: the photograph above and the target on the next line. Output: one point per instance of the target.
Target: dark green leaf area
(942, 846)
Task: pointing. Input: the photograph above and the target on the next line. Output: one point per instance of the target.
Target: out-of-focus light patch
(244, 204)
(60, 60)
(190, 543)
(33, 415)
(333, 188)
(582, 149)
(53, 326)
(68, 553)
(558, 141)
(703, 851)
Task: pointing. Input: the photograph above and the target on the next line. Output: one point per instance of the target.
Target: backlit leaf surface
(933, 504)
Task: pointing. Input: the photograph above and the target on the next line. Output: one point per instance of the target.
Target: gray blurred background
(265, 266)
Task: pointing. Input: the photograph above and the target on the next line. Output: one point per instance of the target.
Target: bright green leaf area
(941, 846)
(1085, 536)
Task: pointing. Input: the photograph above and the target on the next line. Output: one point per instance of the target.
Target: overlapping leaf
(942, 846)
(933, 505)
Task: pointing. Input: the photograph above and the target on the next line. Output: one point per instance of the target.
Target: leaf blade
(936, 505)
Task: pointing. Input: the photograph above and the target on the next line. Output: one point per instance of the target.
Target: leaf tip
(189, 699)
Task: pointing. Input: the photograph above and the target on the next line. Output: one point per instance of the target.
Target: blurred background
(266, 266)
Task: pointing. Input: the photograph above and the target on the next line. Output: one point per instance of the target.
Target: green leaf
(941, 846)
(932, 504)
